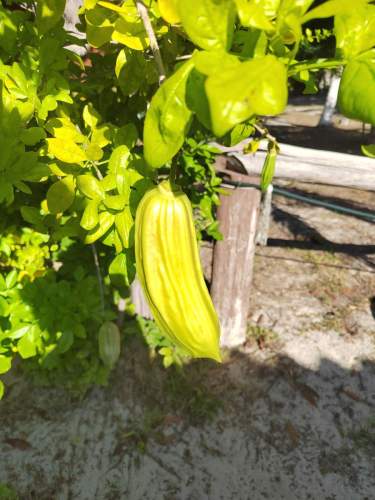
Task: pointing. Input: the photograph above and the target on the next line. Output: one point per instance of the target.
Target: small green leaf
(94, 152)
(11, 278)
(2, 389)
(118, 164)
(27, 345)
(89, 186)
(115, 202)
(122, 269)
(61, 195)
(268, 170)
(90, 116)
(5, 363)
(167, 119)
(124, 224)
(90, 217)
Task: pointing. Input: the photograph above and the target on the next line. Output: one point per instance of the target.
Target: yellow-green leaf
(66, 150)
(90, 217)
(90, 186)
(131, 34)
(106, 221)
(124, 223)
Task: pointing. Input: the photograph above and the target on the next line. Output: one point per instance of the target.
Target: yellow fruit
(169, 269)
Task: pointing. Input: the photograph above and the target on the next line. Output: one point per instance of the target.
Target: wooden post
(233, 262)
(139, 301)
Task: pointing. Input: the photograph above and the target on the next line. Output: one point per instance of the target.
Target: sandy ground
(290, 415)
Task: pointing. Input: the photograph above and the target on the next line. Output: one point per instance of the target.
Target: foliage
(72, 165)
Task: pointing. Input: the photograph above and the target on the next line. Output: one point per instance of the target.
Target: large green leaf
(89, 186)
(357, 90)
(355, 30)
(209, 23)
(167, 119)
(256, 87)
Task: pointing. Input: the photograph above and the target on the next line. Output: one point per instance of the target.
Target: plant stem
(317, 64)
(142, 10)
(99, 276)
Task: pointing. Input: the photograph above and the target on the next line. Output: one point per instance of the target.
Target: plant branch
(98, 275)
(142, 11)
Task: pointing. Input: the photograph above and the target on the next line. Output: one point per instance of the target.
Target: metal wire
(368, 215)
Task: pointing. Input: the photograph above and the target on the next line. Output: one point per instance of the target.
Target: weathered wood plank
(312, 165)
(233, 263)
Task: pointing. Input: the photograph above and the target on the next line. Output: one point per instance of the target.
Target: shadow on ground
(245, 429)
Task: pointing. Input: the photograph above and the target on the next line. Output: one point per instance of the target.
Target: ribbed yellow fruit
(169, 270)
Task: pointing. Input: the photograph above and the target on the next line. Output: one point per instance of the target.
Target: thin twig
(264, 132)
(142, 10)
(98, 275)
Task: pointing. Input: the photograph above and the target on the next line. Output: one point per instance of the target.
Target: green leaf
(124, 224)
(90, 186)
(61, 195)
(90, 116)
(94, 152)
(65, 340)
(131, 34)
(106, 221)
(115, 202)
(122, 269)
(11, 278)
(209, 23)
(268, 170)
(63, 128)
(252, 13)
(4, 307)
(27, 345)
(32, 136)
(356, 97)
(213, 62)
(118, 164)
(1, 389)
(5, 363)
(66, 150)
(126, 135)
(48, 14)
(90, 217)
(368, 150)
(167, 119)
(256, 87)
